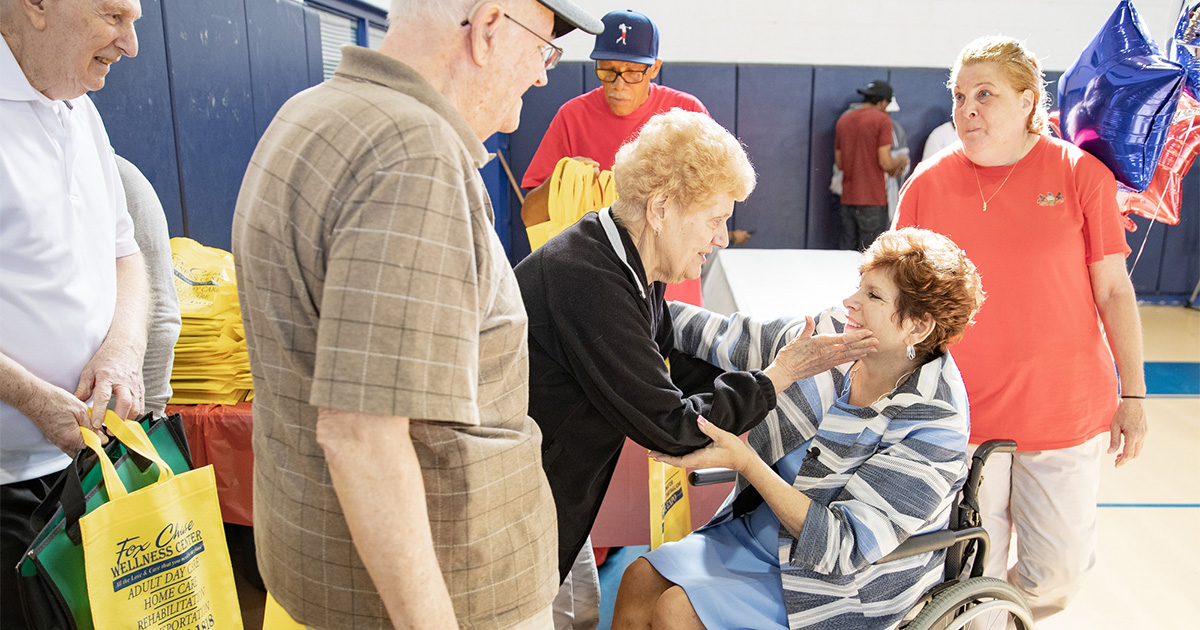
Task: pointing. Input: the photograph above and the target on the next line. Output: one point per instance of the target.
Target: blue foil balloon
(1117, 99)
(1186, 46)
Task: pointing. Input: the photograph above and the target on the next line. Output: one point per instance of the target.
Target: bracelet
(1134, 397)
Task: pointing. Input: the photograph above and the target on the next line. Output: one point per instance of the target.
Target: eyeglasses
(550, 53)
(630, 76)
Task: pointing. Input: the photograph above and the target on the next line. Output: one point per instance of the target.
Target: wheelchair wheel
(976, 598)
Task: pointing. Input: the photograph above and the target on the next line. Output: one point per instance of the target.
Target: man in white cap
(397, 477)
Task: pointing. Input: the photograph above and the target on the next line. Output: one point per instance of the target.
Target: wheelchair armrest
(932, 541)
(711, 476)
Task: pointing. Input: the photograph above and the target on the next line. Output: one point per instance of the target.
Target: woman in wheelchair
(851, 463)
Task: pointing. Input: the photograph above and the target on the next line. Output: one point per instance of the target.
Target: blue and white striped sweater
(883, 473)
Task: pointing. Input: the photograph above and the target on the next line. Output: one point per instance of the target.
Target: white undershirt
(63, 224)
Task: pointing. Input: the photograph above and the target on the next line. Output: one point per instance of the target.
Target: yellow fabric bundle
(574, 191)
(211, 362)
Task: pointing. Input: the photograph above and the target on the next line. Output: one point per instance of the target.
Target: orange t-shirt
(1036, 365)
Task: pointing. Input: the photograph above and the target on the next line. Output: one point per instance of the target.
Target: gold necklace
(986, 200)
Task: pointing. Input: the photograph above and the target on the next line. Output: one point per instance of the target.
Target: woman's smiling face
(873, 306)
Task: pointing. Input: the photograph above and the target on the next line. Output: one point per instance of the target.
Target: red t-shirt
(1035, 363)
(585, 126)
(858, 135)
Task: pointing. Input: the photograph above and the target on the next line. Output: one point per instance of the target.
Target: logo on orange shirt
(1050, 199)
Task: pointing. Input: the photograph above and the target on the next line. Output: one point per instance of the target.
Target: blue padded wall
(564, 83)
(312, 35)
(714, 84)
(279, 63)
(924, 104)
(833, 91)
(136, 106)
(214, 110)
(498, 188)
(773, 117)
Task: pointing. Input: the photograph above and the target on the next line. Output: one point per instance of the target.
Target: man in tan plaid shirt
(397, 478)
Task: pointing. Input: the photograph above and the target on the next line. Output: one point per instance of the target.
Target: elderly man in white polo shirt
(73, 289)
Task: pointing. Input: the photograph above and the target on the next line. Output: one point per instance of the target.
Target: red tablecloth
(220, 435)
(624, 517)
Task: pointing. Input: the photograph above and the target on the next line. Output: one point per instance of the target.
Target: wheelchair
(965, 594)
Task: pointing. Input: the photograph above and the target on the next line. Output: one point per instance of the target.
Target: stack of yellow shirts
(211, 363)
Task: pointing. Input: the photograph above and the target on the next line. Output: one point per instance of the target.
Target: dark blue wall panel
(773, 114)
(214, 109)
(833, 91)
(136, 106)
(279, 64)
(714, 84)
(1181, 243)
(539, 106)
(1146, 259)
(498, 188)
(924, 104)
(312, 35)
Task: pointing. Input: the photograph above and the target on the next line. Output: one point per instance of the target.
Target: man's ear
(485, 23)
(652, 71)
(36, 11)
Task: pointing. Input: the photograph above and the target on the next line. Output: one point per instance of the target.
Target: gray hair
(433, 10)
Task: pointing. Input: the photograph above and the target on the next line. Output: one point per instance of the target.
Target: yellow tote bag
(670, 512)
(156, 559)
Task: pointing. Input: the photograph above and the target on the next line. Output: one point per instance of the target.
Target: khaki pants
(577, 605)
(1049, 498)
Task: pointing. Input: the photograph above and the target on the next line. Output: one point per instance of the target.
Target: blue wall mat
(832, 92)
(312, 35)
(1146, 272)
(540, 104)
(136, 106)
(278, 56)
(498, 187)
(924, 104)
(1181, 250)
(773, 122)
(714, 84)
(214, 111)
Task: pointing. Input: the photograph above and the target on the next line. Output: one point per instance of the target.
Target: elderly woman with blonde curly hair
(854, 461)
(600, 333)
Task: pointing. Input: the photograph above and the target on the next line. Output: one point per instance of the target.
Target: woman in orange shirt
(1039, 218)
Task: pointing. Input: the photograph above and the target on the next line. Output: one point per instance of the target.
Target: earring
(910, 352)
(657, 231)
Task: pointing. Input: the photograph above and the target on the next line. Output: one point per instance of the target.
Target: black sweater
(597, 375)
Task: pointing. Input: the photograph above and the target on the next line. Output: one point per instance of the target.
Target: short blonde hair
(1018, 65)
(685, 155)
(934, 277)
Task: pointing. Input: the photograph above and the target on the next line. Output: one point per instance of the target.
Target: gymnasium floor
(1148, 568)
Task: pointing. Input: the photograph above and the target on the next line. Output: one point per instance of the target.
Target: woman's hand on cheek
(726, 451)
(807, 355)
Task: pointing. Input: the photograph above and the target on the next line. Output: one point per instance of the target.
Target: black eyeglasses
(630, 76)
(550, 53)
